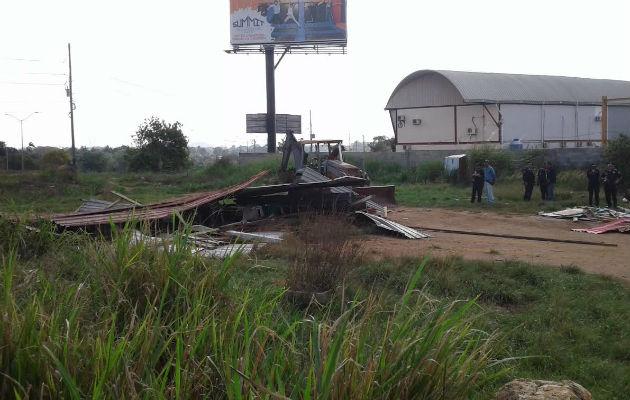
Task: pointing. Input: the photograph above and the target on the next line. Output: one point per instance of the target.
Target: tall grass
(100, 319)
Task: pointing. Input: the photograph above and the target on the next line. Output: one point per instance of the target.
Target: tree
(54, 159)
(382, 143)
(617, 152)
(160, 146)
(93, 159)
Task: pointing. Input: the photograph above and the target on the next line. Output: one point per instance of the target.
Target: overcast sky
(133, 59)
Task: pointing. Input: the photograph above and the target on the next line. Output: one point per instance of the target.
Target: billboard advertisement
(287, 22)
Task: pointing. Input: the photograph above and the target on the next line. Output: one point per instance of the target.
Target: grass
(566, 324)
(34, 191)
(91, 318)
(508, 194)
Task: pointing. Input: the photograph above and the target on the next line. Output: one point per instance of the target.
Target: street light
(22, 130)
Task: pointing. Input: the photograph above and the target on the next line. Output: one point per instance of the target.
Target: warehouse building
(452, 110)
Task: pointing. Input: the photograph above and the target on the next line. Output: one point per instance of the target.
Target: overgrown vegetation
(90, 318)
(618, 153)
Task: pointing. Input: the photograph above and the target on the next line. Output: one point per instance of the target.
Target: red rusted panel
(154, 211)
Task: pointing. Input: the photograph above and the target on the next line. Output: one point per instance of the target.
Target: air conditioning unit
(598, 118)
(401, 118)
(417, 121)
(472, 131)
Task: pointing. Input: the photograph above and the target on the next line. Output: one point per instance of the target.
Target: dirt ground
(613, 261)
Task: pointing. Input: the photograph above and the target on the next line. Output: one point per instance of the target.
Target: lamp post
(22, 130)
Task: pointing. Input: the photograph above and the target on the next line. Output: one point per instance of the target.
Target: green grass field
(85, 317)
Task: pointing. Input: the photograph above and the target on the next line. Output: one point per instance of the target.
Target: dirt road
(613, 261)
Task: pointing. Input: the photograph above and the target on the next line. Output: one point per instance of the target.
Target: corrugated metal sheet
(421, 89)
(621, 225)
(265, 237)
(92, 205)
(407, 232)
(155, 211)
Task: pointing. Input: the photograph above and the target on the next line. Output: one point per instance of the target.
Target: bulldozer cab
(320, 151)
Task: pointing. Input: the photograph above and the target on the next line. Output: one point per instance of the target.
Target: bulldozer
(320, 160)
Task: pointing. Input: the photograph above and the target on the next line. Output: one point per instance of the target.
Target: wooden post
(604, 121)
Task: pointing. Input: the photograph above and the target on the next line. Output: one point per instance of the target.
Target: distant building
(454, 110)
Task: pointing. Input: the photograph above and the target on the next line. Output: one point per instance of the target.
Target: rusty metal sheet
(621, 225)
(151, 212)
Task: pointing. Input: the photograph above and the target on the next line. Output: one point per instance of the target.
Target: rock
(526, 389)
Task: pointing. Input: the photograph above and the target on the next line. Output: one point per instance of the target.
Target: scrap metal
(403, 230)
(151, 212)
(621, 225)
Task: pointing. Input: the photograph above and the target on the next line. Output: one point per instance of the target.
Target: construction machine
(320, 160)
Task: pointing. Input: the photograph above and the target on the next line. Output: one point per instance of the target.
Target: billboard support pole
(271, 99)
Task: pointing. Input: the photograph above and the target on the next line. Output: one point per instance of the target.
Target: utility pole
(69, 94)
(364, 143)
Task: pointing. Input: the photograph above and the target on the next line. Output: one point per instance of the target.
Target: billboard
(257, 123)
(288, 22)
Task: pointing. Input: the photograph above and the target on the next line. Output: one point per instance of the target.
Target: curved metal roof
(481, 87)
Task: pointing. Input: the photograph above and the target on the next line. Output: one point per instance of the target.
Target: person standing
(551, 181)
(593, 176)
(542, 183)
(611, 178)
(478, 178)
(529, 179)
(490, 179)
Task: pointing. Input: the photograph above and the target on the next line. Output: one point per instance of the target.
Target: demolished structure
(236, 218)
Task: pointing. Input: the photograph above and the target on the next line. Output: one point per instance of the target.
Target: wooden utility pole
(69, 94)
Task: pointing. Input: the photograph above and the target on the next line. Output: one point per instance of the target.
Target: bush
(618, 153)
(54, 159)
(502, 161)
(430, 171)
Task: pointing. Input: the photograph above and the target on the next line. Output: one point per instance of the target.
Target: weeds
(133, 321)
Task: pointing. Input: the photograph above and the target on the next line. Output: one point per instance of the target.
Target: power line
(45, 73)
(19, 59)
(31, 83)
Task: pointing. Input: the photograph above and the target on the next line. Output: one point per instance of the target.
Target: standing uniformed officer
(477, 188)
(543, 182)
(593, 175)
(611, 178)
(529, 179)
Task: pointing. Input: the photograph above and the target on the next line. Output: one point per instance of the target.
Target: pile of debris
(242, 217)
(616, 220)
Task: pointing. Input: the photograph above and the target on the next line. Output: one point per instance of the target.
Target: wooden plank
(122, 196)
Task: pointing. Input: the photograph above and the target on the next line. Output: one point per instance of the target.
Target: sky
(135, 59)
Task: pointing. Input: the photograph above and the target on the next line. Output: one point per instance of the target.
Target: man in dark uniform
(478, 181)
(611, 178)
(529, 179)
(551, 181)
(592, 175)
(542, 182)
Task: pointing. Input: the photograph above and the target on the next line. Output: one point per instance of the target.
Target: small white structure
(452, 163)
(452, 110)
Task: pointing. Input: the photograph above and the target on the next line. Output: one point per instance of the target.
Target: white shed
(454, 110)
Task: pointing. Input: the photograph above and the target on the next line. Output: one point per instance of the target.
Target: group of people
(609, 178)
(484, 176)
(545, 179)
